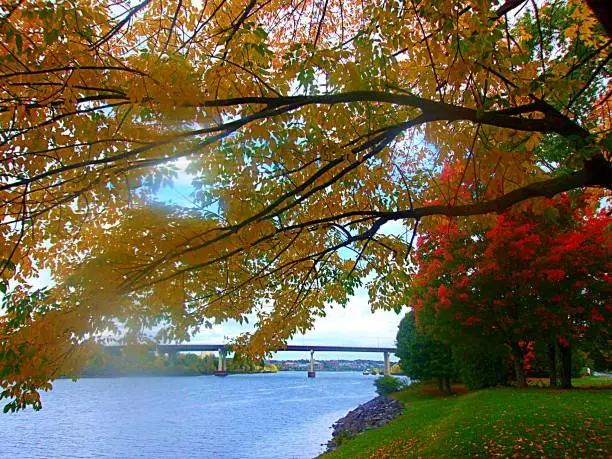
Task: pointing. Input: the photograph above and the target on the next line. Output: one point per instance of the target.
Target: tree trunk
(566, 366)
(552, 364)
(517, 355)
(447, 386)
(602, 12)
(441, 383)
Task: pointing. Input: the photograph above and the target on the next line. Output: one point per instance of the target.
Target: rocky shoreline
(375, 413)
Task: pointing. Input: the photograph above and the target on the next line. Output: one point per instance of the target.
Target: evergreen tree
(423, 357)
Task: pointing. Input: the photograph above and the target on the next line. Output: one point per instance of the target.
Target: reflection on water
(283, 415)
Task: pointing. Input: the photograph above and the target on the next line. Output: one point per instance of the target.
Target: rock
(375, 413)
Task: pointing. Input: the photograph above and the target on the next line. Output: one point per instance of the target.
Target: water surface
(282, 415)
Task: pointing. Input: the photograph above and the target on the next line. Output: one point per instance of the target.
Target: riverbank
(499, 422)
(375, 413)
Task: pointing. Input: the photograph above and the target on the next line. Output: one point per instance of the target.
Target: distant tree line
(140, 361)
(335, 365)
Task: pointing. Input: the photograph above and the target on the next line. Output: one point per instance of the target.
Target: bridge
(172, 349)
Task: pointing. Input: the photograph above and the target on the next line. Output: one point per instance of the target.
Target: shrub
(480, 367)
(388, 384)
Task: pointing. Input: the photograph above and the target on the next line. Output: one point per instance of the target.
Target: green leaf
(19, 43)
(607, 142)
(50, 36)
(551, 214)
(8, 264)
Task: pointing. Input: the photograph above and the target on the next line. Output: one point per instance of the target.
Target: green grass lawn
(592, 381)
(500, 422)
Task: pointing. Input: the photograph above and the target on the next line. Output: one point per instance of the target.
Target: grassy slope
(503, 422)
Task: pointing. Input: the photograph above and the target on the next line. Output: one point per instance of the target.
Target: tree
(387, 384)
(481, 363)
(538, 273)
(307, 126)
(422, 357)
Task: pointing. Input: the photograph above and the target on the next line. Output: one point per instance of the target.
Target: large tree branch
(508, 6)
(597, 172)
(431, 111)
(435, 110)
(601, 8)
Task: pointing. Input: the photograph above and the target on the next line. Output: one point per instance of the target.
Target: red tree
(540, 273)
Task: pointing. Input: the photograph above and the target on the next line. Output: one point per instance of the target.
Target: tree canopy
(308, 125)
(528, 277)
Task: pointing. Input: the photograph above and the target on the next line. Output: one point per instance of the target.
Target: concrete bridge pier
(222, 367)
(311, 371)
(387, 364)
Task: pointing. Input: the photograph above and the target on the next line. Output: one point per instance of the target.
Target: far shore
(181, 372)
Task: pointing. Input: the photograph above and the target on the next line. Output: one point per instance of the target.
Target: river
(282, 415)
